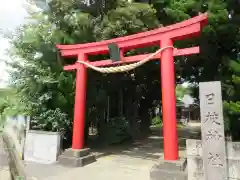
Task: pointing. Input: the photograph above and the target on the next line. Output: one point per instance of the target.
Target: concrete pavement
(126, 163)
(106, 168)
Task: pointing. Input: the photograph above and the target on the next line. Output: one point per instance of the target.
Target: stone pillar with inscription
(212, 126)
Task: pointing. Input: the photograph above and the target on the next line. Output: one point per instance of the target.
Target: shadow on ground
(150, 147)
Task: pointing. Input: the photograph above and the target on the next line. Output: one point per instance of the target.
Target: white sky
(12, 14)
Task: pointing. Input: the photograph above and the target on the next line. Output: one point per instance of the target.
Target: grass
(157, 122)
(179, 125)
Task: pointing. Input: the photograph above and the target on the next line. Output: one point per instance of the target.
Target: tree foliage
(47, 92)
(10, 103)
(220, 46)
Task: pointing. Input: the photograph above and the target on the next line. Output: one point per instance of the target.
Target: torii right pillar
(170, 166)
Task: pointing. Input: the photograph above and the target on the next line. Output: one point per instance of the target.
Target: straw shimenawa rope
(123, 68)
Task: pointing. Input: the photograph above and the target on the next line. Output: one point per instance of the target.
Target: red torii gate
(164, 37)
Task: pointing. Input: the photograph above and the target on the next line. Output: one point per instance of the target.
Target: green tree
(181, 91)
(232, 103)
(10, 103)
(219, 45)
(46, 91)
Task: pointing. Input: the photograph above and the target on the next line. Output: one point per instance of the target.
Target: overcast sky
(12, 14)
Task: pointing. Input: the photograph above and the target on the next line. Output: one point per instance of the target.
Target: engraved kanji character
(212, 117)
(213, 134)
(210, 98)
(215, 160)
(195, 150)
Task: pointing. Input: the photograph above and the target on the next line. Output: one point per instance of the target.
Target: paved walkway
(118, 163)
(4, 168)
(125, 163)
(106, 168)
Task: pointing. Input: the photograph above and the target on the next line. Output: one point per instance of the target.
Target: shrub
(156, 121)
(116, 131)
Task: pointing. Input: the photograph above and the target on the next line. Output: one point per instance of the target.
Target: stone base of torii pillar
(169, 170)
(76, 158)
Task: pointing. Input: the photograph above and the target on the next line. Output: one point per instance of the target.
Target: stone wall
(16, 166)
(42, 147)
(195, 162)
(15, 127)
(37, 146)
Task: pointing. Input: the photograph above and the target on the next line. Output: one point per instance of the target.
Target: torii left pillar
(78, 155)
(80, 105)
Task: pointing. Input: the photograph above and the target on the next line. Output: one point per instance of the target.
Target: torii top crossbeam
(182, 30)
(165, 37)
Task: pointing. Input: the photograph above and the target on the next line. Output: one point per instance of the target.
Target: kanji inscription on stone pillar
(212, 125)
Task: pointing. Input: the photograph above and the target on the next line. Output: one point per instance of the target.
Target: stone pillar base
(76, 158)
(169, 170)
